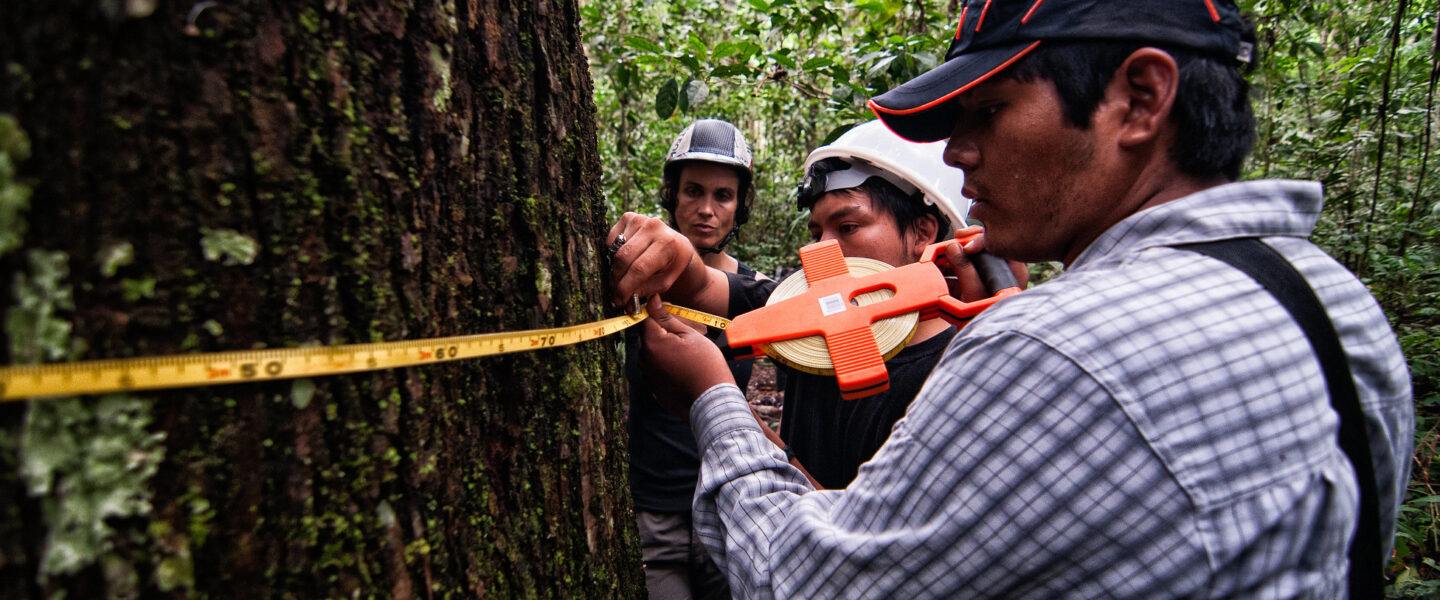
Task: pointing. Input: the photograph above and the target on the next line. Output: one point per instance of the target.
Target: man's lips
(974, 194)
(978, 207)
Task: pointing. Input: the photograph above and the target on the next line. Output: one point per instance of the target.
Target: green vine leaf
(731, 70)
(643, 45)
(817, 62)
(666, 98)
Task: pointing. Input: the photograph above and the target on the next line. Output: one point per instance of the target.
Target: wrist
(694, 278)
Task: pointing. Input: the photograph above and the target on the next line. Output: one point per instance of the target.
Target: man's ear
(923, 230)
(1145, 85)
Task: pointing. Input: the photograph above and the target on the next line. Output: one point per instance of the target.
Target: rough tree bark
(240, 174)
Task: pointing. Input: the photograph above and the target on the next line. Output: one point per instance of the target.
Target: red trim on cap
(1026, 18)
(941, 100)
(961, 26)
(983, 12)
(1214, 15)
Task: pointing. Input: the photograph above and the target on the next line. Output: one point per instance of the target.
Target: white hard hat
(873, 150)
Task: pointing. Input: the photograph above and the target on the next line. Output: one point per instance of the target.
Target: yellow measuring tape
(194, 370)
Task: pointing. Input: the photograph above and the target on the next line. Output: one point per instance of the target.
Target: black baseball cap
(994, 34)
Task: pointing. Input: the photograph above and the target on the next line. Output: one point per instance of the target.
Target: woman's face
(705, 202)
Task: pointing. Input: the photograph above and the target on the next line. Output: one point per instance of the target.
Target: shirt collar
(1235, 210)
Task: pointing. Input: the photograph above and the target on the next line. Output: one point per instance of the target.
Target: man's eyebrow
(839, 214)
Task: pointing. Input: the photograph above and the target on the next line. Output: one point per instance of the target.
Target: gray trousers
(676, 564)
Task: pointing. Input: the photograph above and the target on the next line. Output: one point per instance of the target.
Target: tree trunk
(233, 175)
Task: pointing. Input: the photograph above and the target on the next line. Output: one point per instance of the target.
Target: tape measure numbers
(194, 370)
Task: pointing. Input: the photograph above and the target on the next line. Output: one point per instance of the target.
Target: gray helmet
(716, 141)
(711, 140)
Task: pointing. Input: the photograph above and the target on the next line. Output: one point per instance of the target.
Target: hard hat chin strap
(720, 247)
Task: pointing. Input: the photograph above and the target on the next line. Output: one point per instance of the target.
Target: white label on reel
(831, 304)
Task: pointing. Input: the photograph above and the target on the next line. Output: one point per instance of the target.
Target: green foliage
(792, 74)
(115, 256)
(228, 246)
(1345, 96)
(36, 331)
(14, 194)
(88, 460)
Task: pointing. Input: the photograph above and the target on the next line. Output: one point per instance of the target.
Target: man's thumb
(662, 317)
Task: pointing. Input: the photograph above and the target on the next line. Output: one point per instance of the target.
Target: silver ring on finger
(615, 245)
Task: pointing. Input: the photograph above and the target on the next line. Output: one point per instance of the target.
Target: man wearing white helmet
(880, 197)
(707, 190)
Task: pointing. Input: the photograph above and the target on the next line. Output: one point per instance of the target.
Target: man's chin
(1002, 245)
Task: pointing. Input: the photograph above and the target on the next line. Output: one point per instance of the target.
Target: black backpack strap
(1266, 266)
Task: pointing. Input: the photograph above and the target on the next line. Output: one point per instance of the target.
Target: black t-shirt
(831, 436)
(664, 463)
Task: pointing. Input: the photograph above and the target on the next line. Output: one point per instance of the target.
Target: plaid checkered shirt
(1150, 424)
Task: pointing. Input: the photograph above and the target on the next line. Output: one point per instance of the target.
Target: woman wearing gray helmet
(707, 190)
(708, 187)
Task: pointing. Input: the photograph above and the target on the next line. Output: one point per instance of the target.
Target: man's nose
(961, 152)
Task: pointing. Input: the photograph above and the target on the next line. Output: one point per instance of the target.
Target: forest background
(1344, 93)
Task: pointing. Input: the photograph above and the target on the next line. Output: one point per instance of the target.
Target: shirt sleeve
(748, 292)
(1015, 474)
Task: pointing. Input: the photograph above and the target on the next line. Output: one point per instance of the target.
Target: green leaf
(879, 67)
(698, 48)
(817, 62)
(694, 92)
(643, 44)
(869, 56)
(622, 77)
(836, 133)
(690, 62)
(666, 98)
(724, 49)
(760, 5)
(731, 70)
(748, 49)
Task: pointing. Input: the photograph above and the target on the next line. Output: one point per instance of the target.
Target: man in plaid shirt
(1150, 424)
